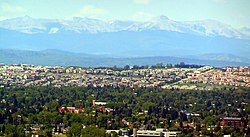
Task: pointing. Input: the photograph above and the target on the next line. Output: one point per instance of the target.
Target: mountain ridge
(31, 25)
(64, 58)
(126, 43)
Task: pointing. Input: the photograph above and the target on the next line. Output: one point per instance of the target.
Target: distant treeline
(156, 66)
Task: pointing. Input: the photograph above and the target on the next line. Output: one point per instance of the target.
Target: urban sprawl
(199, 110)
(168, 78)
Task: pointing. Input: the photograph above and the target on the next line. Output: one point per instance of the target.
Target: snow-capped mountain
(161, 23)
(245, 31)
(159, 36)
(214, 28)
(30, 25)
(78, 25)
(119, 25)
(205, 27)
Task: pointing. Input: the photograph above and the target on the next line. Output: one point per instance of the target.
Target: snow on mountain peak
(30, 25)
(24, 24)
(53, 30)
(214, 28)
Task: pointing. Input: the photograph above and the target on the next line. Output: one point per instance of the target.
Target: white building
(156, 133)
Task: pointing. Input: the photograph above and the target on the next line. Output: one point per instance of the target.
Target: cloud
(8, 8)
(91, 11)
(144, 2)
(142, 16)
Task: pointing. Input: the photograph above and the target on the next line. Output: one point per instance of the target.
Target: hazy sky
(233, 12)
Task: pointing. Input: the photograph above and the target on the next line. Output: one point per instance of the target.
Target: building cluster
(29, 75)
(228, 76)
(231, 122)
(70, 109)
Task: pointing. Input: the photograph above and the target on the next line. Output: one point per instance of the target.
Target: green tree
(75, 130)
(92, 131)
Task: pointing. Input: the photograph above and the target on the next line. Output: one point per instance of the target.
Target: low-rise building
(98, 103)
(70, 109)
(232, 122)
(155, 133)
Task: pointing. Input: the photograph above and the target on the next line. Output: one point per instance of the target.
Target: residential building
(232, 122)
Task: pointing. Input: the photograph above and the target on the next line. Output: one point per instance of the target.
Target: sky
(232, 12)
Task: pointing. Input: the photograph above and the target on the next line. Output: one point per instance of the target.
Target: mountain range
(30, 25)
(208, 40)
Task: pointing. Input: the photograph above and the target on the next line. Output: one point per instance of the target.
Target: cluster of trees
(156, 66)
(76, 130)
(20, 108)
